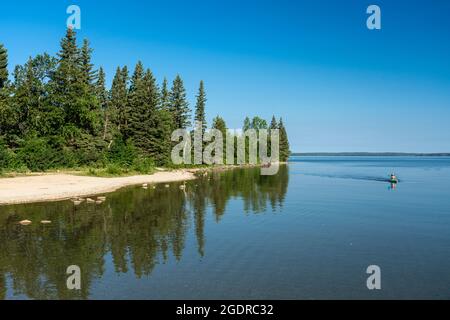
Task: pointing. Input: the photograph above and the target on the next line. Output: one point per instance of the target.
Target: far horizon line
(356, 153)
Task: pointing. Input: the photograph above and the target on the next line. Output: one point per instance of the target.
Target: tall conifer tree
(200, 116)
(165, 95)
(3, 66)
(179, 106)
(103, 99)
(88, 74)
(284, 142)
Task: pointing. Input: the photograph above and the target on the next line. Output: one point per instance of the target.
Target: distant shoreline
(373, 154)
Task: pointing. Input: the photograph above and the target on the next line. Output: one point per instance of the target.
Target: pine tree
(284, 142)
(179, 106)
(3, 66)
(200, 107)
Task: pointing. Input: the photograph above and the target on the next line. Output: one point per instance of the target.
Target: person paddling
(393, 177)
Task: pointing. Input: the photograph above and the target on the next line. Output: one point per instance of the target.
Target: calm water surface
(308, 233)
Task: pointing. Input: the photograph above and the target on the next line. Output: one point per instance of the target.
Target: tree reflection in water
(138, 228)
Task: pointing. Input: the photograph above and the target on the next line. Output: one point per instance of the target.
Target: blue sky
(338, 85)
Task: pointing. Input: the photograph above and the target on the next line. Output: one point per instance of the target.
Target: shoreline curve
(60, 187)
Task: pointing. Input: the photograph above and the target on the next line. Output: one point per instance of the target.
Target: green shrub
(143, 165)
(122, 153)
(114, 169)
(38, 155)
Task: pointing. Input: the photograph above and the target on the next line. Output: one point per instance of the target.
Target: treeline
(58, 113)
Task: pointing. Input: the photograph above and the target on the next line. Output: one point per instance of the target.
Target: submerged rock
(77, 202)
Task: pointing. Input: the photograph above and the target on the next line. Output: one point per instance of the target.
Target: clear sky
(337, 85)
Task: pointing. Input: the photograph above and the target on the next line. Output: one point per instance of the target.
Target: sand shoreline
(58, 187)
(47, 187)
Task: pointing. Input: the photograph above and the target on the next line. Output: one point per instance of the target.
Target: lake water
(309, 232)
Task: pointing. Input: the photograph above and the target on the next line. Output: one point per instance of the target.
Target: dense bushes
(41, 154)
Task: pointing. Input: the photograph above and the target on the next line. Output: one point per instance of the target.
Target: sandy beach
(54, 187)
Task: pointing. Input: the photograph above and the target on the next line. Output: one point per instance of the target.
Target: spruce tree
(66, 85)
(27, 99)
(3, 66)
(165, 95)
(200, 107)
(88, 74)
(100, 89)
(165, 125)
(162, 148)
(219, 124)
(143, 103)
(135, 105)
(247, 124)
(117, 107)
(273, 123)
(284, 142)
(273, 126)
(82, 122)
(7, 111)
(179, 106)
(102, 97)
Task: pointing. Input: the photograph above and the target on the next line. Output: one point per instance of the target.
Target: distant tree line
(57, 113)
